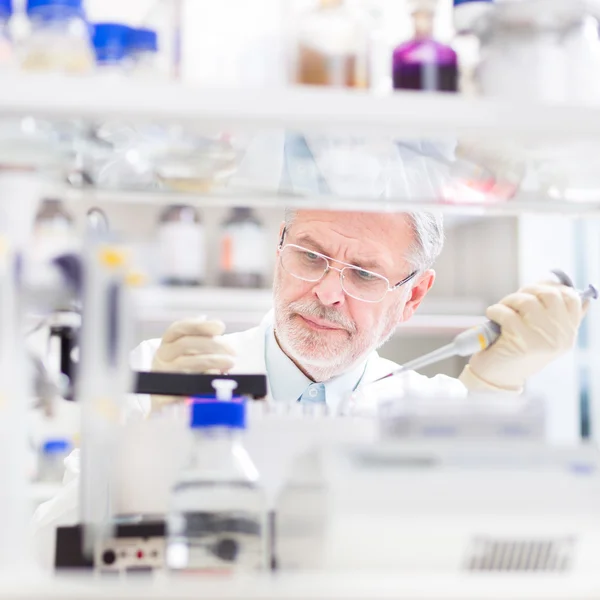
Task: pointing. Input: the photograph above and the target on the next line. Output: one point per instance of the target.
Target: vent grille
(493, 554)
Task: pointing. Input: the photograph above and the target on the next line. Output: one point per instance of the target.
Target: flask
(423, 63)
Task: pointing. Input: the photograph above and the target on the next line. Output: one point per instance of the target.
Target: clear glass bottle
(217, 517)
(143, 53)
(423, 63)
(111, 48)
(181, 241)
(6, 46)
(59, 39)
(331, 47)
(243, 250)
(467, 16)
(53, 229)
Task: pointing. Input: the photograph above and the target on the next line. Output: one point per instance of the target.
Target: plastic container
(111, 44)
(59, 39)
(243, 250)
(331, 47)
(217, 517)
(143, 52)
(51, 466)
(468, 17)
(181, 242)
(423, 63)
(6, 46)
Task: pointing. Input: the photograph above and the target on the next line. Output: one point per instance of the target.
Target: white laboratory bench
(314, 587)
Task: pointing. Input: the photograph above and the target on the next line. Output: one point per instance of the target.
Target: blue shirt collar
(287, 383)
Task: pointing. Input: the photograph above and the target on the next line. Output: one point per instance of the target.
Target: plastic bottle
(51, 460)
(111, 47)
(331, 47)
(217, 517)
(468, 14)
(422, 63)
(243, 250)
(6, 47)
(59, 38)
(143, 52)
(181, 241)
(53, 229)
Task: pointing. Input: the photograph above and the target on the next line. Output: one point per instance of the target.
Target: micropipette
(477, 338)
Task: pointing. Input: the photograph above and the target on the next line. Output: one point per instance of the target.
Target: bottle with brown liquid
(331, 47)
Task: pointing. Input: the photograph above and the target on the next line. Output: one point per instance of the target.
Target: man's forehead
(369, 235)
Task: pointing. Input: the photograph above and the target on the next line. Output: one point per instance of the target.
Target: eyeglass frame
(329, 259)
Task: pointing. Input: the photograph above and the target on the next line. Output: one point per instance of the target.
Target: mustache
(315, 309)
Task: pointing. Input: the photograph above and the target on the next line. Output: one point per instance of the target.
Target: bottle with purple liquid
(422, 63)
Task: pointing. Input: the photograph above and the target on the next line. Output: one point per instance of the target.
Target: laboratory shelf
(244, 308)
(337, 149)
(403, 114)
(305, 586)
(521, 205)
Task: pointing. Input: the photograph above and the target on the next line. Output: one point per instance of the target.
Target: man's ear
(418, 292)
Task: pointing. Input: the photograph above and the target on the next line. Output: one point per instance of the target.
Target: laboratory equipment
(423, 63)
(53, 229)
(331, 47)
(442, 507)
(243, 250)
(51, 460)
(468, 17)
(217, 517)
(181, 246)
(6, 44)
(542, 51)
(478, 338)
(103, 379)
(111, 45)
(97, 221)
(59, 39)
(143, 52)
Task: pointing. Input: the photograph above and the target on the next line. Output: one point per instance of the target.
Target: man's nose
(329, 290)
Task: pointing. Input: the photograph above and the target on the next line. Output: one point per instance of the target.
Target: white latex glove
(539, 323)
(191, 346)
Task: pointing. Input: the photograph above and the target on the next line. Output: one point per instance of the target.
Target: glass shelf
(303, 148)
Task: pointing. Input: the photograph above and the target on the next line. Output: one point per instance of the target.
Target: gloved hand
(539, 323)
(191, 346)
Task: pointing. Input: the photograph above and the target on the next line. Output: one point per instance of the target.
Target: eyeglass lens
(308, 266)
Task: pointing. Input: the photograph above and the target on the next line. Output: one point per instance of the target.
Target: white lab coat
(250, 358)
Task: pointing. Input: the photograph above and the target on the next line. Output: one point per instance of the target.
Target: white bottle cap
(224, 388)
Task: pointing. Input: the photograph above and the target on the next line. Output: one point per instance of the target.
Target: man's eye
(366, 276)
(311, 256)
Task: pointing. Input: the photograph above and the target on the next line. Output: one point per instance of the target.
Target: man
(343, 283)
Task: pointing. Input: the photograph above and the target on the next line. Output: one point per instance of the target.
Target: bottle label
(182, 251)
(243, 249)
(220, 542)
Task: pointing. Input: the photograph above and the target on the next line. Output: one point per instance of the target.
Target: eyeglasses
(308, 265)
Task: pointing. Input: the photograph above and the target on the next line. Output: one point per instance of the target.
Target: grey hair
(428, 232)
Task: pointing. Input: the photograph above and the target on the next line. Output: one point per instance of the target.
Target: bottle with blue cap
(59, 39)
(111, 47)
(468, 17)
(6, 47)
(217, 517)
(143, 52)
(51, 460)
